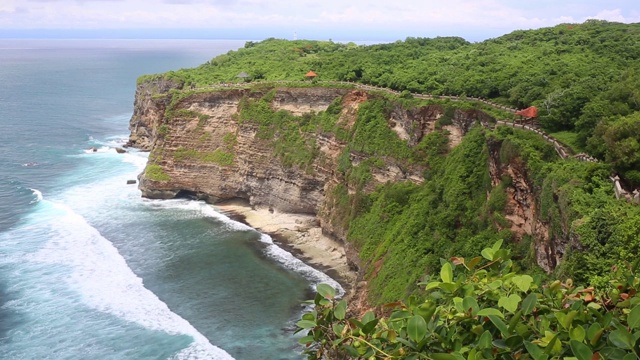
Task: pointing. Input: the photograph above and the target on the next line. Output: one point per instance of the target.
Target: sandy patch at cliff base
(300, 235)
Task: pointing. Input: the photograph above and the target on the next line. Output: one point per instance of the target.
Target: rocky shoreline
(300, 235)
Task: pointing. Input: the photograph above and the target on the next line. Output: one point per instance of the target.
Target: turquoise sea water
(89, 269)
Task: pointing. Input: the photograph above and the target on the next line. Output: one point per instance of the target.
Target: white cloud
(614, 15)
(410, 16)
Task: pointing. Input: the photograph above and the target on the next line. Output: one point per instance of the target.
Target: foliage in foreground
(481, 309)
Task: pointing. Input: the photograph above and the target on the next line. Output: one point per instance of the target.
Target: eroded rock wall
(523, 210)
(202, 149)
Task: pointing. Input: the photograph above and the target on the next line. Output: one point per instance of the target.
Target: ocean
(88, 268)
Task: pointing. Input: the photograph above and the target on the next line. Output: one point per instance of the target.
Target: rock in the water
(120, 150)
(94, 149)
(130, 182)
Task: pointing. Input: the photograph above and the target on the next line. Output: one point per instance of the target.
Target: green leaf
(326, 291)
(340, 310)
(306, 324)
(444, 356)
(495, 284)
(523, 282)
(369, 327)
(490, 311)
(510, 303)
(351, 350)
(594, 340)
(446, 273)
(337, 329)
(499, 324)
(306, 340)
(612, 353)
(554, 347)
(487, 253)
(400, 314)
(580, 350)
(621, 338)
(485, 341)
(470, 303)
(417, 328)
(368, 316)
(633, 319)
(568, 320)
(594, 332)
(449, 287)
(535, 351)
(472, 354)
(426, 310)
(496, 246)
(500, 344)
(577, 333)
(529, 303)
(514, 342)
(433, 285)
(457, 303)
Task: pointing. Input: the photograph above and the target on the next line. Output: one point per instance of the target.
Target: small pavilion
(311, 75)
(528, 115)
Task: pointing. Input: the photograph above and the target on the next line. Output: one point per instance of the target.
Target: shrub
(481, 309)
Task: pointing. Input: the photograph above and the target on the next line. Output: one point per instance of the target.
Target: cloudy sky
(314, 19)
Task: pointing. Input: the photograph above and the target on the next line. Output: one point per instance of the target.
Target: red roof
(311, 74)
(529, 112)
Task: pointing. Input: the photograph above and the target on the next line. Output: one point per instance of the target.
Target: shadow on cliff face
(191, 195)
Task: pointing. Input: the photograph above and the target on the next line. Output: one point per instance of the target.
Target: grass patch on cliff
(218, 156)
(292, 137)
(156, 173)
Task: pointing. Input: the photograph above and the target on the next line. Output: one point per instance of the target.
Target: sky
(340, 20)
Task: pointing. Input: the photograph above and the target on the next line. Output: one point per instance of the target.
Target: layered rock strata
(201, 148)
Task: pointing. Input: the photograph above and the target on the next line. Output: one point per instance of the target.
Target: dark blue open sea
(89, 269)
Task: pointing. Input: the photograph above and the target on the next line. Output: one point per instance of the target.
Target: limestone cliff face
(200, 148)
(205, 124)
(523, 211)
(149, 106)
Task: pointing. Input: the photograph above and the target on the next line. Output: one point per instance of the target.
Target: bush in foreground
(480, 309)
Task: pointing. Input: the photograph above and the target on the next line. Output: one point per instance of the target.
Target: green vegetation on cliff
(155, 173)
(584, 78)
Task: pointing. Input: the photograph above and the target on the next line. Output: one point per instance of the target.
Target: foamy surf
(283, 257)
(106, 283)
(38, 196)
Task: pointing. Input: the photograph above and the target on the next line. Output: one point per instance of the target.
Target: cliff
(237, 144)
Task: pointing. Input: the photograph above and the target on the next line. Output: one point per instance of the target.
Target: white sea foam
(102, 149)
(292, 263)
(283, 257)
(139, 159)
(106, 283)
(38, 195)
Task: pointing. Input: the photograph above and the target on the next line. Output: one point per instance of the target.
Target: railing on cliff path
(563, 151)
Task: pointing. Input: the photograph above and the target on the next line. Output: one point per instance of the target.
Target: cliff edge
(291, 150)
